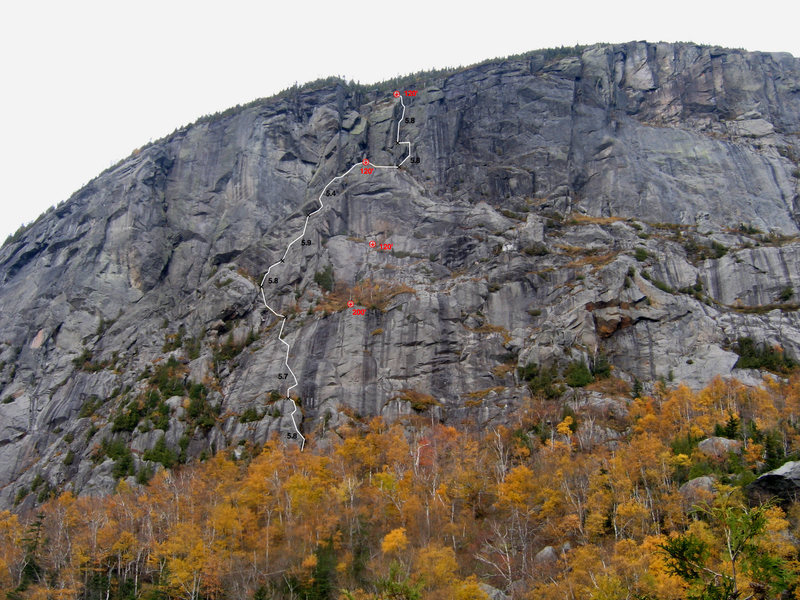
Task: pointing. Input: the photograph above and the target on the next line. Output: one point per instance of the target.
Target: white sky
(86, 82)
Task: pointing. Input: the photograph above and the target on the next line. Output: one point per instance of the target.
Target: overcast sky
(85, 83)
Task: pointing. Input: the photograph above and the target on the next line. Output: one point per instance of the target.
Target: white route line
(299, 237)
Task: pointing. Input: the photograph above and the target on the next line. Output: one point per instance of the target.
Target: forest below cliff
(417, 509)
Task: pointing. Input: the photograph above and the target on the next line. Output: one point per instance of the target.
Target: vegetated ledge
(760, 309)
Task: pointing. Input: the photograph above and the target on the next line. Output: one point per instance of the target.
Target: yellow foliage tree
(436, 566)
(395, 541)
(469, 589)
(11, 534)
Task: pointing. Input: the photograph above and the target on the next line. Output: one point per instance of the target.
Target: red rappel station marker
(372, 244)
(351, 304)
(397, 94)
(365, 162)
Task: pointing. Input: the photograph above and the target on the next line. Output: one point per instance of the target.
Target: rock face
(636, 200)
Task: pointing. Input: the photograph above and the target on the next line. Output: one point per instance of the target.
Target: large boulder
(718, 447)
(546, 556)
(698, 490)
(493, 593)
(783, 482)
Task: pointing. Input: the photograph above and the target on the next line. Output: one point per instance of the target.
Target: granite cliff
(636, 205)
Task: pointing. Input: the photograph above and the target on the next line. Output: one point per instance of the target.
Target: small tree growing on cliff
(324, 278)
(577, 374)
